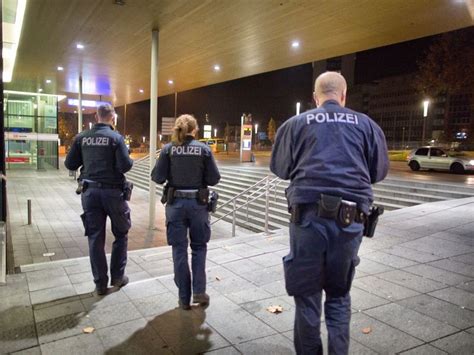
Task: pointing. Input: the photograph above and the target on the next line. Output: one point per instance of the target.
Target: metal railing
(249, 195)
(139, 161)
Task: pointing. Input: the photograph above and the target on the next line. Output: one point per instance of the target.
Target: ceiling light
(48, 81)
(171, 82)
(141, 91)
(295, 44)
(60, 68)
(79, 46)
(11, 36)
(217, 67)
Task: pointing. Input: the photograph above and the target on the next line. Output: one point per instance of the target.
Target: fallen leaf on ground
(88, 330)
(367, 330)
(275, 309)
(218, 278)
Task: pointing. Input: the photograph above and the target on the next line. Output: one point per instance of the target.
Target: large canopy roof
(243, 37)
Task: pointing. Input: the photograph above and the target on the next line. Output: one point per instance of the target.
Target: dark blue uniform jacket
(187, 166)
(331, 150)
(102, 153)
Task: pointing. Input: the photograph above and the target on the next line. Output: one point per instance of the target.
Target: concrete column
(79, 106)
(153, 123)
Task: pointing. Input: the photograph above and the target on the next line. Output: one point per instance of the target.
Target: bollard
(29, 211)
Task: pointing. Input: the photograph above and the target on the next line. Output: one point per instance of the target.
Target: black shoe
(201, 298)
(120, 283)
(184, 306)
(101, 291)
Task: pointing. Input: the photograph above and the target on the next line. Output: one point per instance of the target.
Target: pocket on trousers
(124, 223)
(83, 218)
(302, 276)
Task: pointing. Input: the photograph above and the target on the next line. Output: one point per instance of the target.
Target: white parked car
(437, 159)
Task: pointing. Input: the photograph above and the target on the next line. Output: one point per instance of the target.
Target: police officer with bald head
(331, 155)
(103, 157)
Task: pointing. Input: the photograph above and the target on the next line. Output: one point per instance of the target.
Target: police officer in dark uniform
(103, 157)
(332, 155)
(189, 168)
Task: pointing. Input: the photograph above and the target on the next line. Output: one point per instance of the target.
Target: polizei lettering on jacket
(95, 141)
(185, 150)
(331, 117)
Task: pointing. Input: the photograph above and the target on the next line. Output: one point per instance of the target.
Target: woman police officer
(188, 167)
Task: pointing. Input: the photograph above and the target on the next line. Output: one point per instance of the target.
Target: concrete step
(391, 193)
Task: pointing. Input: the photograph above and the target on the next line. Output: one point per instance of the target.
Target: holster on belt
(170, 195)
(164, 195)
(127, 190)
(81, 187)
(372, 220)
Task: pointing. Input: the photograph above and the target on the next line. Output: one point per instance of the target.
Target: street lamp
(298, 105)
(426, 104)
(143, 139)
(90, 125)
(215, 132)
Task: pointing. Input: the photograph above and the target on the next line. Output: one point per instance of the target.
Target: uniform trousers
(183, 215)
(323, 257)
(98, 203)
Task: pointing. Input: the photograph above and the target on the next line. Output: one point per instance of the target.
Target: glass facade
(31, 130)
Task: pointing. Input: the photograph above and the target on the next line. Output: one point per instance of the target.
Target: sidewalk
(413, 292)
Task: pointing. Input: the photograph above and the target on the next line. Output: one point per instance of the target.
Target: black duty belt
(296, 212)
(102, 185)
(186, 194)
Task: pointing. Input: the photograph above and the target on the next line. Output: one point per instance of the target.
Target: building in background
(31, 130)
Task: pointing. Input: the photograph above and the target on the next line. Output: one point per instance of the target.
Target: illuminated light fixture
(295, 44)
(426, 104)
(79, 46)
(141, 91)
(298, 106)
(60, 68)
(60, 97)
(48, 81)
(75, 111)
(217, 67)
(86, 103)
(171, 82)
(11, 37)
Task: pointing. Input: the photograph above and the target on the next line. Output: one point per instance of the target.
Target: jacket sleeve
(281, 162)
(159, 174)
(378, 155)
(122, 158)
(74, 157)
(211, 172)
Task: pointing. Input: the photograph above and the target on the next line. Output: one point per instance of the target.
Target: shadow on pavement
(175, 331)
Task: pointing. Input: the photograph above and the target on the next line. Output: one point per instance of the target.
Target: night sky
(272, 94)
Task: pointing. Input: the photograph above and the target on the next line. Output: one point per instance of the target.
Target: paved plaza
(57, 232)
(413, 294)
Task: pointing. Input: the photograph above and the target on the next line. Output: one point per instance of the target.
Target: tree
(67, 129)
(226, 132)
(271, 130)
(448, 67)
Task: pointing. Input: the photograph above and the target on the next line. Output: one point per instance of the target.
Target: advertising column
(246, 138)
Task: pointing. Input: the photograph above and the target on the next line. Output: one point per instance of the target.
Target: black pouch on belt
(127, 190)
(328, 206)
(203, 196)
(347, 213)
